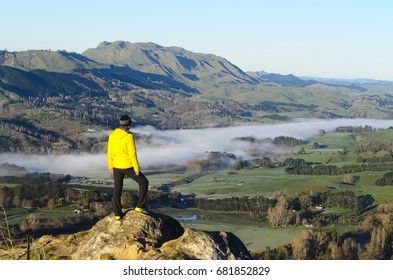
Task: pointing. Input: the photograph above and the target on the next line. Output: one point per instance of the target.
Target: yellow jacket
(122, 151)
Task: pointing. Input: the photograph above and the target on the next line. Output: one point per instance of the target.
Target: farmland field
(249, 182)
(267, 181)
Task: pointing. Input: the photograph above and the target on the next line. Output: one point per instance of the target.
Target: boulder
(129, 238)
(204, 245)
(155, 236)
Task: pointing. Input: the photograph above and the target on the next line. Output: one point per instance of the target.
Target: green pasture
(334, 140)
(15, 107)
(260, 181)
(265, 182)
(254, 234)
(2, 97)
(366, 185)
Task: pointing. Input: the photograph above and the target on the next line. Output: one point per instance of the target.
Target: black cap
(125, 121)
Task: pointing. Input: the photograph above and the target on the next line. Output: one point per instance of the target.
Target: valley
(278, 160)
(227, 199)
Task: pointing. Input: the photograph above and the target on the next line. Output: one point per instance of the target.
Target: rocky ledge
(148, 237)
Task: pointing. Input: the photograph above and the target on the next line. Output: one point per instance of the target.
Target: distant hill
(288, 80)
(53, 61)
(343, 81)
(50, 99)
(193, 69)
(292, 80)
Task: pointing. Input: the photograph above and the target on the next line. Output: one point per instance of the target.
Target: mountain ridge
(167, 87)
(52, 61)
(170, 61)
(193, 69)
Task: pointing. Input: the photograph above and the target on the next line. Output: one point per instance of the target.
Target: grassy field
(17, 215)
(263, 181)
(257, 235)
(251, 182)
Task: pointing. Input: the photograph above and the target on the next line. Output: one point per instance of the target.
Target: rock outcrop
(152, 237)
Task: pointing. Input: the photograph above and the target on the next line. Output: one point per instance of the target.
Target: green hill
(201, 71)
(53, 61)
(167, 87)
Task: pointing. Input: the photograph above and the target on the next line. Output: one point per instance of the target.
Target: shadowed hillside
(177, 63)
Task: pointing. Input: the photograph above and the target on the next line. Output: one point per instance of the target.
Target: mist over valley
(178, 147)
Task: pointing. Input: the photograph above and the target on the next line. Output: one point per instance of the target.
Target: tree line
(283, 210)
(385, 158)
(280, 107)
(214, 161)
(235, 204)
(323, 169)
(287, 141)
(373, 147)
(34, 195)
(279, 140)
(34, 178)
(386, 180)
(253, 163)
(354, 129)
(26, 127)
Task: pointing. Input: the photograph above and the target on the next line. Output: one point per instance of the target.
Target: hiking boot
(119, 217)
(141, 210)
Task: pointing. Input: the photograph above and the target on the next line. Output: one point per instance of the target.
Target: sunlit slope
(53, 61)
(200, 71)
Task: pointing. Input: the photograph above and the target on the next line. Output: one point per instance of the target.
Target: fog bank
(181, 146)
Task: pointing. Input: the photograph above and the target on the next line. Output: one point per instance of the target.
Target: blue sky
(336, 39)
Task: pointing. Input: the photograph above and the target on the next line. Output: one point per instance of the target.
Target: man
(123, 161)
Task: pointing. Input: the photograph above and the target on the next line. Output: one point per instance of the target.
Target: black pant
(117, 192)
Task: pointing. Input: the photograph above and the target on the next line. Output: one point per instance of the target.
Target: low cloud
(180, 146)
(61, 164)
